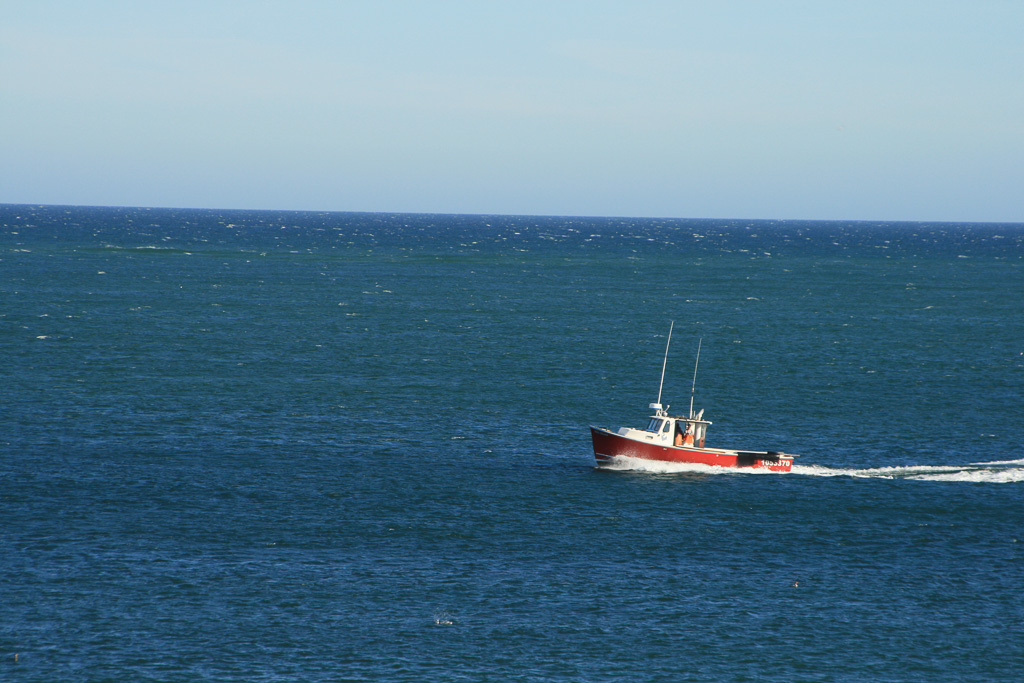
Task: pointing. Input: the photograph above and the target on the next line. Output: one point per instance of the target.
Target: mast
(694, 387)
(664, 362)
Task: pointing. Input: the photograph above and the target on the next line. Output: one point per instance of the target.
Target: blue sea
(300, 446)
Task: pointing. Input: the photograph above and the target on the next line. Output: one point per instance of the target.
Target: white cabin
(671, 430)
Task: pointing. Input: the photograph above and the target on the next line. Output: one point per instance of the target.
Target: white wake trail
(995, 472)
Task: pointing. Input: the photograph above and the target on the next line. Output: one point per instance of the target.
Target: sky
(874, 110)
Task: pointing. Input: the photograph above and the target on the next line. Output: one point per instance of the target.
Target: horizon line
(510, 215)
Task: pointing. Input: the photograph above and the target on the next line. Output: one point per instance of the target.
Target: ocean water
(274, 446)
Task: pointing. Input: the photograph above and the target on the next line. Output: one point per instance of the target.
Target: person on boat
(684, 435)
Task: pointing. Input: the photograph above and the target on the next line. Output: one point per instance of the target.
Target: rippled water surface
(304, 446)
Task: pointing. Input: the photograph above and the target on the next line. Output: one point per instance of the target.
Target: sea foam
(998, 472)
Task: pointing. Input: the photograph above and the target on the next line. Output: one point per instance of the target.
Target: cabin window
(666, 427)
(655, 425)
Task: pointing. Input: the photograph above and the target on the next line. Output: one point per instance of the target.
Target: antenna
(664, 362)
(694, 387)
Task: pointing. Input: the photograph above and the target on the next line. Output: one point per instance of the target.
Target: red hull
(608, 445)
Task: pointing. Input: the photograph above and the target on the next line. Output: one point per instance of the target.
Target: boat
(678, 439)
